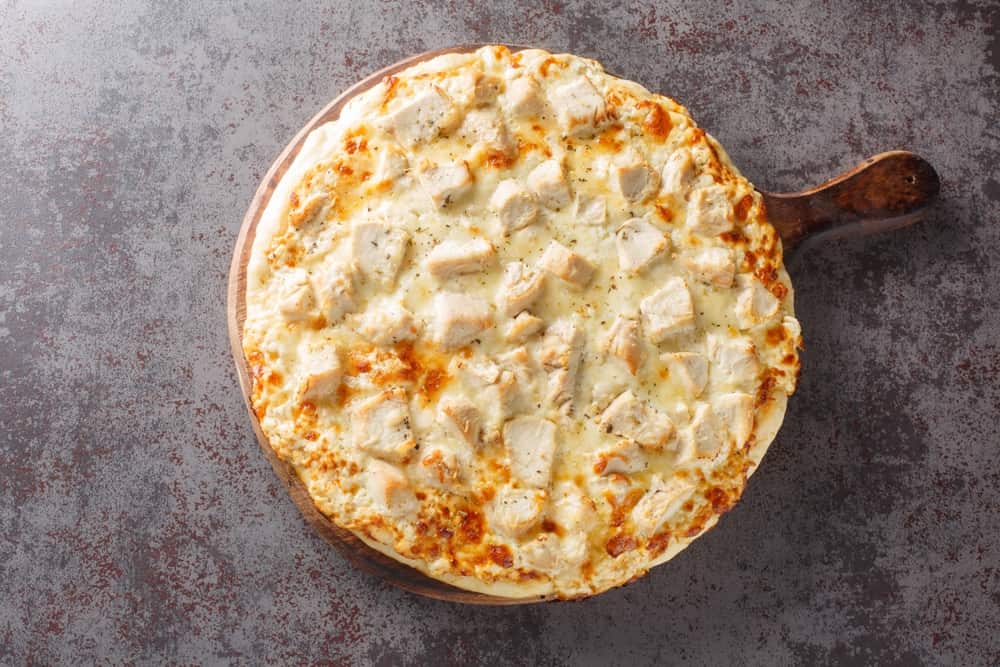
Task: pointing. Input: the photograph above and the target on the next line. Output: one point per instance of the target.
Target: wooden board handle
(885, 192)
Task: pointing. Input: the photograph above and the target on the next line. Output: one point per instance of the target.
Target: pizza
(519, 324)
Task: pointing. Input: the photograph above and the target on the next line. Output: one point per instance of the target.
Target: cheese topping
(519, 323)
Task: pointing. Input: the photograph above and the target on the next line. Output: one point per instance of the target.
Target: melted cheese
(519, 323)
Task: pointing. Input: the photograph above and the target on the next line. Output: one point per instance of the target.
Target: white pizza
(519, 324)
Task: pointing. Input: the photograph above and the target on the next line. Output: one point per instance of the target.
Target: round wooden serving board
(888, 191)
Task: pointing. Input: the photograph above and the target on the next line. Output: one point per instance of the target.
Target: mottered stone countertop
(140, 523)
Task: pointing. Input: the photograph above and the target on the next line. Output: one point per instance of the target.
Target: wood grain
(843, 204)
(885, 192)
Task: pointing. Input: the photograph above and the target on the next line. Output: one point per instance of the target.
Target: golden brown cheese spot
(699, 521)
(549, 63)
(620, 511)
(356, 142)
(471, 526)
(733, 237)
(610, 140)
(658, 543)
(742, 207)
(501, 555)
(720, 500)
(666, 215)
(619, 544)
(657, 123)
(391, 86)
(500, 159)
(775, 335)
(550, 526)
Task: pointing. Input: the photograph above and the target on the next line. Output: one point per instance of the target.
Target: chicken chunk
(624, 457)
(736, 412)
(560, 355)
(667, 312)
(563, 263)
(706, 433)
(623, 341)
(639, 244)
(392, 165)
(709, 211)
(297, 299)
(388, 323)
(428, 115)
(541, 553)
(516, 207)
(484, 129)
(628, 417)
(514, 512)
(688, 369)
(389, 489)
(712, 266)
(734, 361)
(571, 508)
(450, 258)
(461, 418)
(590, 210)
(524, 98)
(335, 293)
(485, 89)
(459, 318)
(531, 447)
(548, 181)
(380, 426)
(500, 390)
(636, 180)
(678, 174)
(446, 183)
(664, 499)
(378, 249)
(579, 107)
(523, 327)
(755, 303)
(519, 288)
(324, 375)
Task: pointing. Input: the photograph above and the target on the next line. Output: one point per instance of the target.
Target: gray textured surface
(138, 520)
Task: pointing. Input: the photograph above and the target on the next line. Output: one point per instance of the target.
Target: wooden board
(887, 191)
